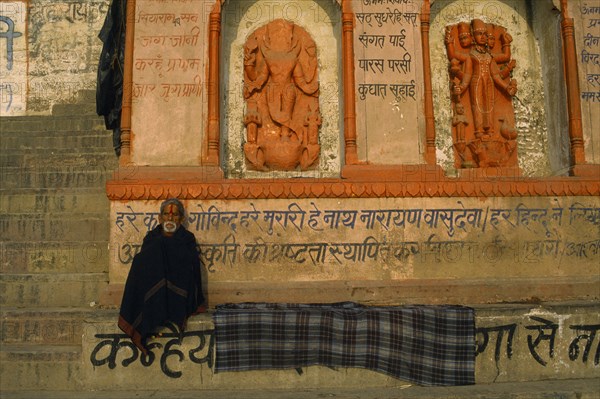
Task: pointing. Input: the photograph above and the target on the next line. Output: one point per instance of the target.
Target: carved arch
(560, 80)
(213, 155)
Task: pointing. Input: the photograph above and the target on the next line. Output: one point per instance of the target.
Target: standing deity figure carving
(480, 67)
(281, 89)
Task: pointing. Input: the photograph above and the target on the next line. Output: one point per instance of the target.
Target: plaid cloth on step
(426, 345)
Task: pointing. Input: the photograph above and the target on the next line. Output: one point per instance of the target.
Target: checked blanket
(426, 345)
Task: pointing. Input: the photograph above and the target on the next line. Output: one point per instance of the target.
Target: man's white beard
(170, 227)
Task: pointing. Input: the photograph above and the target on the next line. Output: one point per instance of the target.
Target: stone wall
(587, 33)
(54, 55)
(514, 343)
(387, 230)
(385, 240)
(169, 66)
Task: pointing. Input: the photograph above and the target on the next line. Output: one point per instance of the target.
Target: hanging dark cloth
(163, 285)
(109, 85)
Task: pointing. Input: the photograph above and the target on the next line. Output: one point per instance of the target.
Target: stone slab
(464, 243)
(66, 177)
(28, 257)
(46, 368)
(394, 293)
(76, 290)
(14, 64)
(56, 142)
(33, 227)
(169, 77)
(47, 326)
(84, 200)
(514, 343)
(52, 160)
(388, 78)
(563, 389)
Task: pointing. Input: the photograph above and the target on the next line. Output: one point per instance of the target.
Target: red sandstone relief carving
(290, 188)
(281, 89)
(483, 123)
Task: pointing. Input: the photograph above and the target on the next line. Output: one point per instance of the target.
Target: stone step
(42, 201)
(67, 176)
(58, 142)
(18, 132)
(103, 364)
(57, 146)
(43, 367)
(33, 126)
(32, 257)
(84, 103)
(47, 326)
(53, 159)
(516, 344)
(74, 228)
(564, 389)
(86, 99)
(51, 290)
(76, 108)
(86, 96)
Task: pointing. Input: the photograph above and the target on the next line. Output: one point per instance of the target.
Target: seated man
(163, 285)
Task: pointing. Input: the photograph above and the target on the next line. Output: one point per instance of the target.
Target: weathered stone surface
(47, 326)
(514, 343)
(82, 256)
(40, 350)
(22, 142)
(464, 243)
(51, 290)
(507, 342)
(585, 16)
(385, 292)
(389, 82)
(40, 367)
(563, 389)
(67, 176)
(52, 160)
(42, 201)
(28, 228)
(172, 85)
(48, 126)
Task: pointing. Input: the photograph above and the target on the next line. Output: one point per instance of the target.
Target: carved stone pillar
(428, 92)
(351, 154)
(214, 38)
(125, 157)
(572, 79)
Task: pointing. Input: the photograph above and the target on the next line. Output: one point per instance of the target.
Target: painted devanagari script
(387, 60)
(375, 236)
(169, 68)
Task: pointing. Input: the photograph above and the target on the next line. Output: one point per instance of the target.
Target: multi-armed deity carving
(483, 123)
(281, 90)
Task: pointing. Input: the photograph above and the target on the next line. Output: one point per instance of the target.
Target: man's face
(491, 40)
(170, 218)
(480, 37)
(465, 39)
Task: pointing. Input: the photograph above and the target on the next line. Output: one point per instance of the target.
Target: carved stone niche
(483, 122)
(281, 92)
